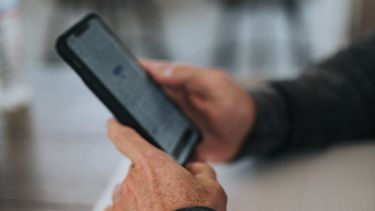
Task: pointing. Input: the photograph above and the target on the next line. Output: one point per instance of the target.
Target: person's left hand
(156, 182)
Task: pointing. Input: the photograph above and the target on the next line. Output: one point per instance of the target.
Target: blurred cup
(14, 91)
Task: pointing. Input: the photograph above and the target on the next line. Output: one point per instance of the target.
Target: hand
(221, 109)
(156, 182)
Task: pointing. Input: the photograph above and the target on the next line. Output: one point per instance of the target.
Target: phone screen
(104, 55)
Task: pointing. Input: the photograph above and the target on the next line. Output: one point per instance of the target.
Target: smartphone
(111, 71)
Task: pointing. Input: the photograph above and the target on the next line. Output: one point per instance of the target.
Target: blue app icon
(118, 71)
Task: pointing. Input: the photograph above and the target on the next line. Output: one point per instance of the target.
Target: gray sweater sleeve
(331, 102)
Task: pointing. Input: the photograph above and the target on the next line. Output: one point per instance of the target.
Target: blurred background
(54, 154)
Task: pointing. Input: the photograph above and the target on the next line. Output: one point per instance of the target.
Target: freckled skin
(156, 182)
(221, 109)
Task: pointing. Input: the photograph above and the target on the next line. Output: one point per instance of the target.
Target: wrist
(270, 123)
(249, 118)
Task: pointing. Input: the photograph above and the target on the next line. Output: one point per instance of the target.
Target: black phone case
(119, 111)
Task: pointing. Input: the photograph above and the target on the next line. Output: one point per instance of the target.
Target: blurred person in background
(331, 102)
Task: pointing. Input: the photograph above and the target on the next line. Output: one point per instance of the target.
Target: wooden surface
(54, 155)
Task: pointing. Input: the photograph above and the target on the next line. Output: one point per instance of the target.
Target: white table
(341, 178)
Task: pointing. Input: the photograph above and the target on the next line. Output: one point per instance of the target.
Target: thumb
(130, 143)
(170, 74)
(204, 170)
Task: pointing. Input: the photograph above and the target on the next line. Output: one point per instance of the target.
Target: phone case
(119, 111)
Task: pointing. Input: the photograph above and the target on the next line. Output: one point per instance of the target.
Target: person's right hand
(221, 109)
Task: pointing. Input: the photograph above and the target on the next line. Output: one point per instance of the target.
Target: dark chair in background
(229, 27)
(121, 16)
(140, 24)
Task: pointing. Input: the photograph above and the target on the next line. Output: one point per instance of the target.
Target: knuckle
(206, 166)
(201, 165)
(216, 187)
(220, 74)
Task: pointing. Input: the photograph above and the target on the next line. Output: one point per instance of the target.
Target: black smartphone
(111, 71)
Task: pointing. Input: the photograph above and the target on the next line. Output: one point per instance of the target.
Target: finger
(171, 74)
(153, 65)
(199, 169)
(116, 193)
(177, 96)
(109, 208)
(131, 144)
(181, 99)
(201, 104)
(156, 68)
